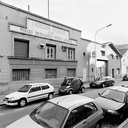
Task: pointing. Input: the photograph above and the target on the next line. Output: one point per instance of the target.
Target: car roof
(71, 100)
(119, 88)
(35, 84)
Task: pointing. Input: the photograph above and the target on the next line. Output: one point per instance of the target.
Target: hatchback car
(72, 111)
(71, 85)
(102, 82)
(114, 101)
(28, 93)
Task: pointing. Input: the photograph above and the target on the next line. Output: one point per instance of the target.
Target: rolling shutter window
(21, 49)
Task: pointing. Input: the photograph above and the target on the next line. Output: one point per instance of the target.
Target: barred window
(20, 74)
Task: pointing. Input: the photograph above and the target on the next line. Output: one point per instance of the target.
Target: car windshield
(49, 115)
(114, 95)
(99, 78)
(66, 82)
(25, 88)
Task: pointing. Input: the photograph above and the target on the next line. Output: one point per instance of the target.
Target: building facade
(104, 60)
(124, 60)
(35, 48)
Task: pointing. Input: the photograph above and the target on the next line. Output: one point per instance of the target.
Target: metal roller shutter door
(21, 49)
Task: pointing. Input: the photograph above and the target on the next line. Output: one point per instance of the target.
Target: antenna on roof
(29, 8)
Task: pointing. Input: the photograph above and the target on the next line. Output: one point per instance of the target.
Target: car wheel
(22, 102)
(70, 92)
(98, 125)
(112, 84)
(103, 85)
(50, 96)
(83, 89)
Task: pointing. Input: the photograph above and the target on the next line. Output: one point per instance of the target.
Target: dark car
(114, 101)
(102, 82)
(71, 85)
(125, 77)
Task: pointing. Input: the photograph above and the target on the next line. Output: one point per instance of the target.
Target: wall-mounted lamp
(84, 54)
(41, 46)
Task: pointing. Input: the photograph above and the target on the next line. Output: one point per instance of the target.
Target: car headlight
(12, 98)
(68, 87)
(113, 112)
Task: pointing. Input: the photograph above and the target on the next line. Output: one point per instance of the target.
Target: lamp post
(95, 44)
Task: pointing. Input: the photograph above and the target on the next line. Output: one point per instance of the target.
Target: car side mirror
(99, 94)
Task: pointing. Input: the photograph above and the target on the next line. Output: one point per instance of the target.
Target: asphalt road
(11, 114)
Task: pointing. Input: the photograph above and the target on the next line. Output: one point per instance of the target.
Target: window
(34, 89)
(92, 69)
(50, 52)
(71, 54)
(44, 87)
(118, 70)
(20, 74)
(117, 57)
(126, 69)
(50, 73)
(103, 53)
(71, 72)
(112, 56)
(21, 48)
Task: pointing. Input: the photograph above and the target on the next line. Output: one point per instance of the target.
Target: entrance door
(113, 72)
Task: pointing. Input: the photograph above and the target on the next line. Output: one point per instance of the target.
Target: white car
(72, 111)
(28, 93)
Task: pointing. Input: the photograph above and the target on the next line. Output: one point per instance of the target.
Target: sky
(89, 16)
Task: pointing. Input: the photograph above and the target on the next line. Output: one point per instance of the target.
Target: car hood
(108, 104)
(24, 122)
(15, 94)
(63, 86)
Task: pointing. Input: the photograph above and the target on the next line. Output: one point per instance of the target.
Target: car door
(75, 85)
(107, 81)
(84, 116)
(34, 93)
(45, 90)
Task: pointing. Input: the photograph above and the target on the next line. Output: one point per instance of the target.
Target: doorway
(113, 72)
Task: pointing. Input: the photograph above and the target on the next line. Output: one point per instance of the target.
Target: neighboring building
(124, 60)
(35, 48)
(107, 61)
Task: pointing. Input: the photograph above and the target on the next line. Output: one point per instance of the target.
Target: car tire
(22, 102)
(103, 85)
(70, 92)
(98, 125)
(51, 95)
(112, 84)
(83, 89)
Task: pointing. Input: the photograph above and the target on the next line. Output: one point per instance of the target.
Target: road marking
(2, 114)
(19, 109)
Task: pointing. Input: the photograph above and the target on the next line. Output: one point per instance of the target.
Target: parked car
(114, 101)
(72, 111)
(125, 77)
(71, 85)
(28, 93)
(102, 82)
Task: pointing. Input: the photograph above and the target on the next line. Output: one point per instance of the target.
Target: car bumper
(62, 92)
(95, 85)
(10, 103)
